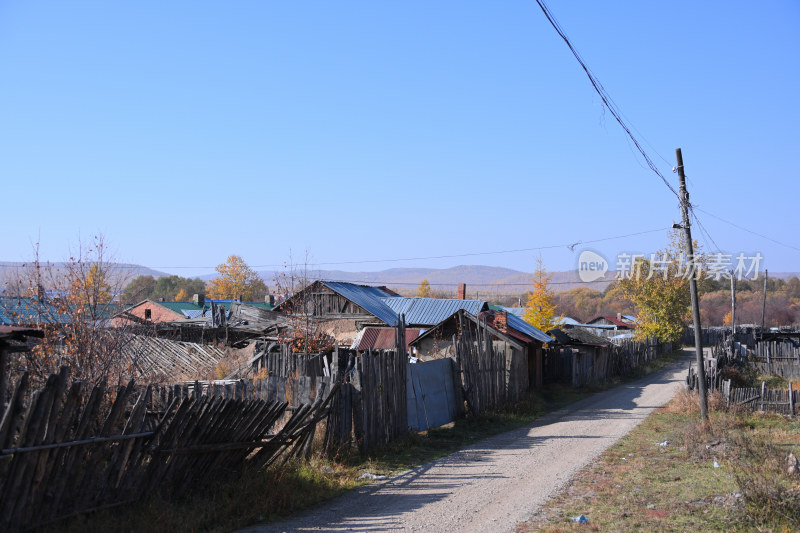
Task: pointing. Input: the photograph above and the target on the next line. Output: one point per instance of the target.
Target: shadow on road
(382, 506)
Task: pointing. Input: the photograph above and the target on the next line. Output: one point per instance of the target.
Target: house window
(147, 314)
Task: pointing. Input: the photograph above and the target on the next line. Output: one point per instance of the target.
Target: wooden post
(698, 345)
(791, 400)
(763, 394)
(733, 305)
(764, 303)
(3, 374)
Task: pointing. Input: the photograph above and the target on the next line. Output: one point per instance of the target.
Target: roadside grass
(638, 484)
(259, 497)
(225, 506)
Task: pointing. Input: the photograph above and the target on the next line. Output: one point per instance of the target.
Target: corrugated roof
(28, 311)
(381, 338)
(371, 299)
(513, 310)
(179, 307)
(520, 325)
(431, 311)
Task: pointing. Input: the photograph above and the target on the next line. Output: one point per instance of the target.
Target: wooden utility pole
(733, 304)
(698, 344)
(764, 303)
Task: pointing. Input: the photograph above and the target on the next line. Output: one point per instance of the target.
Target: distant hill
(53, 274)
(477, 278)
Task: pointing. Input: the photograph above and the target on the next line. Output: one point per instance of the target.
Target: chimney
(161, 300)
(462, 291)
(619, 317)
(501, 321)
(240, 298)
(198, 300)
(270, 299)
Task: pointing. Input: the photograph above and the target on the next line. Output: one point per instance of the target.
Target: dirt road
(499, 482)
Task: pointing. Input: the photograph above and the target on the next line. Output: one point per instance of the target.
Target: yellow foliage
(661, 291)
(727, 320)
(235, 280)
(540, 309)
(90, 289)
(182, 296)
(424, 290)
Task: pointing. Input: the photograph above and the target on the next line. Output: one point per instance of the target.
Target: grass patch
(249, 499)
(638, 484)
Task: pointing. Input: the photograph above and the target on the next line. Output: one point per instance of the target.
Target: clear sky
(188, 131)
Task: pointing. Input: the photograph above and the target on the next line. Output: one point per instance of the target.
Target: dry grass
(639, 485)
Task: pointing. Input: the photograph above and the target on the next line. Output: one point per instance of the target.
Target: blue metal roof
(513, 310)
(371, 299)
(431, 311)
(30, 311)
(532, 331)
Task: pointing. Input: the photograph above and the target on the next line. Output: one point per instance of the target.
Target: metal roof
(513, 310)
(520, 325)
(179, 307)
(381, 338)
(29, 311)
(371, 299)
(431, 311)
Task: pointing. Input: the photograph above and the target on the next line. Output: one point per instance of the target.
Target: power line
(703, 231)
(604, 96)
(748, 230)
(570, 245)
(482, 286)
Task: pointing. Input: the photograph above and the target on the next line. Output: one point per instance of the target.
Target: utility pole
(698, 343)
(764, 303)
(733, 304)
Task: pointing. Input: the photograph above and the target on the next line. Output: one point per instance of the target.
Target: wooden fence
(590, 365)
(279, 360)
(370, 408)
(68, 449)
(708, 336)
(783, 401)
(483, 368)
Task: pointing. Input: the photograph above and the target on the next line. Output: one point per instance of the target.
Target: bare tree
(72, 305)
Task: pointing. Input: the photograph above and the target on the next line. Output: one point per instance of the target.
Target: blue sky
(188, 131)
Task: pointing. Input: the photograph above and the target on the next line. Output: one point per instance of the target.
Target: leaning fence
(69, 448)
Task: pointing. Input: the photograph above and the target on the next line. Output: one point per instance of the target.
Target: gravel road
(499, 482)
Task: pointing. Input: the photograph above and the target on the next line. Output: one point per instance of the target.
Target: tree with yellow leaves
(659, 287)
(540, 308)
(182, 296)
(236, 280)
(424, 289)
(89, 288)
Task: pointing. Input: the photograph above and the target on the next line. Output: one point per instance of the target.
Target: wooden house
(520, 343)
